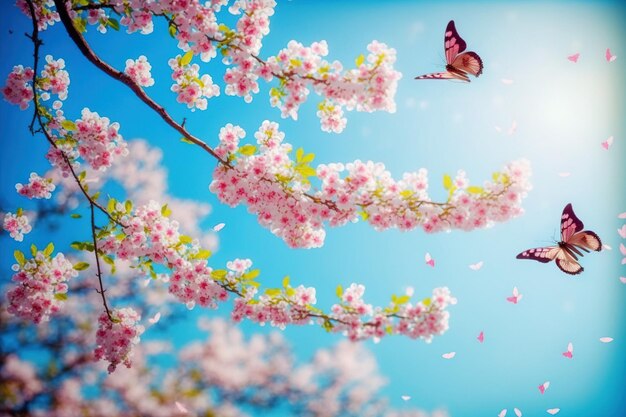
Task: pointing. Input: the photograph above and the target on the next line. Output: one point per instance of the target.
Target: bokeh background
(562, 112)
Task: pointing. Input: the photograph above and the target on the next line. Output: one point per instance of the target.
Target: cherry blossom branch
(101, 291)
(86, 50)
(37, 42)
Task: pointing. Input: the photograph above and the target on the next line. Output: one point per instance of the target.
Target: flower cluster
(44, 13)
(41, 284)
(139, 71)
(422, 320)
(17, 225)
(17, 89)
(116, 336)
(37, 187)
(276, 188)
(191, 90)
(98, 140)
(54, 79)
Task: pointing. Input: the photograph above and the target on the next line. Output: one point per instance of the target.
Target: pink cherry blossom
(17, 225)
(17, 89)
(192, 90)
(37, 187)
(139, 71)
(99, 142)
(116, 336)
(277, 189)
(40, 285)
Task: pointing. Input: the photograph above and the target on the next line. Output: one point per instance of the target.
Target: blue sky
(563, 112)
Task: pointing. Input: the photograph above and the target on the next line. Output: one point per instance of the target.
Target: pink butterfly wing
(568, 266)
(543, 255)
(469, 62)
(453, 43)
(570, 224)
(586, 240)
(437, 76)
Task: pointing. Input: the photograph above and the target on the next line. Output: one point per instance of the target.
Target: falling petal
(623, 279)
(155, 319)
(553, 411)
(622, 231)
(429, 260)
(564, 174)
(406, 397)
(606, 339)
(569, 353)
(622, 215)
(513, 127)
(607, 143)
(502, 413)
(219, 227)
(609, 56)
(449, 355)
(543, 387)
(507, 81)
(476, 266)
(181, 408)
(518, 413)
(606, 247)
(481, 337)
(409, 291)
(574, 58)
(622, 249)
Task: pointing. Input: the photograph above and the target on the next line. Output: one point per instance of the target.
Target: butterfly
(573, 240)
(458, 63)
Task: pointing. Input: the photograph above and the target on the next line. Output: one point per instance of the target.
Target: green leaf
(113, 23)
(172, 30)
(308, 158)
(165, 211)
(33, 249)
(20, 211)
(475, 190)
(223, 28)
(290, 292)
(49, 249)
(339, 291)
(186, 59)
(447, 182)
(80, 24)
(199, 82)
(247, 150)
(299, 154)
(185, 140)
(219, 274)
(306, 171)
(286, 281)
(111, 205)
(75, 216)
(184, 239)
(95, 196)
(359, 60)
(327, 325)
(78, 245)
(251, 274)
(402, 299)
(202, 254)
(272, 292)
(68, 125)
(19, 257)
(60, 296)
(128, 205)
(81, 266)
(426, 301)
(108, 260)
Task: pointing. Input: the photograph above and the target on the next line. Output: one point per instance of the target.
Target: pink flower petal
(181, 408)
(517, 411)
(574, 58)
(476, 266)
(219, 227)
(622, 215)
(406, 397)
(553, 411)
(623, 279)
(609, 56)
(606, 339)
(449, 355)
(622, 231)
(502, 413)
(481, 337)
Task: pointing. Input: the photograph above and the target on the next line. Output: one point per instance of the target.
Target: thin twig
(99, 273)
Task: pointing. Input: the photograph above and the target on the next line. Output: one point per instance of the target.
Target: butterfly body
(458, 62)
(574, 241)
